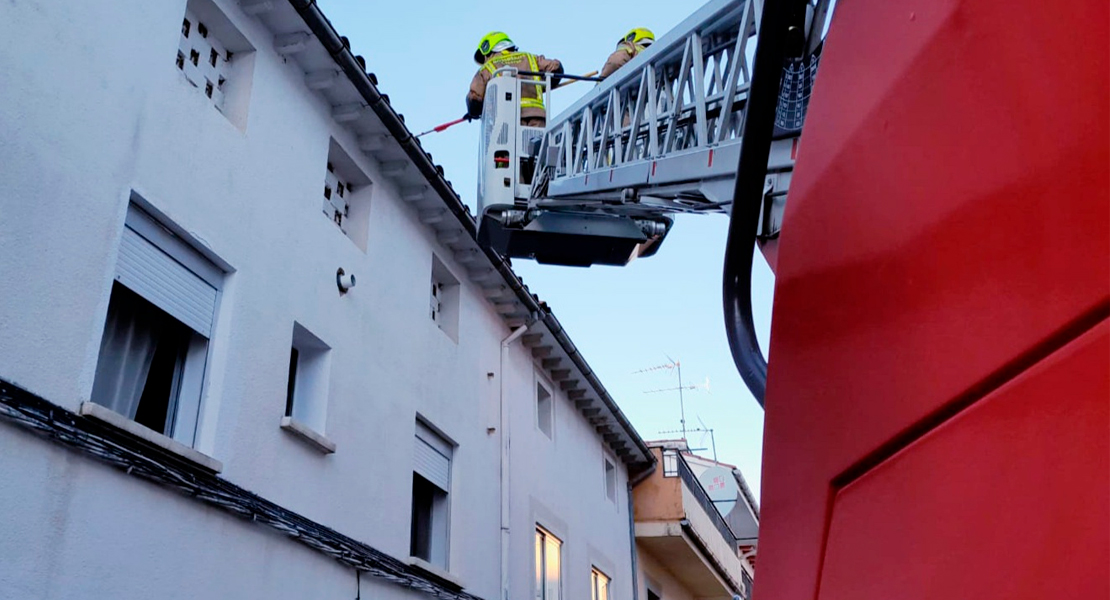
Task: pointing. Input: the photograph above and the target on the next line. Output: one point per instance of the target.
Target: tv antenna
(703, 430)
(675, 366)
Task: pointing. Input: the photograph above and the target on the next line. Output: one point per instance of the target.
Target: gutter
(379, 103)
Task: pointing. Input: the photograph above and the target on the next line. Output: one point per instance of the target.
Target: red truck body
(937, 420)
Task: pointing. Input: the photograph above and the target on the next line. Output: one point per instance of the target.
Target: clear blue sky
(622, 319)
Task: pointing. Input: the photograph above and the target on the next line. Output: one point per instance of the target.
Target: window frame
(239, 56)
(445, 298)
(345, 178)
(596, 576)
(439, 551)
(543, 386)
(540, 546)
(309, 379)
(145, 225)
(609, 474)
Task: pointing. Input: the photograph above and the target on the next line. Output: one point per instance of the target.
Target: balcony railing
(674, 464)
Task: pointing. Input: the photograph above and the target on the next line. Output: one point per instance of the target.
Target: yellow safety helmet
(488, 43)
(639, 37)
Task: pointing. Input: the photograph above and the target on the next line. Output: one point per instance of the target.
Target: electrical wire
(144, 460)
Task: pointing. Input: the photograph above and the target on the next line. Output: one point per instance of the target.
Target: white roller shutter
(432, 457)
(163, 280)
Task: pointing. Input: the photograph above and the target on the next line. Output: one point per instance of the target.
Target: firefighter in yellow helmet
(628, 47)
(496, 50)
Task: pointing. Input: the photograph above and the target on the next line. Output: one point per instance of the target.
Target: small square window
(544, 410)
(444, 299)
(206, 46)
(306, 397)
(346, 199)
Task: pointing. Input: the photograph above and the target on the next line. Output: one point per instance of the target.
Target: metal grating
(798, 76)
(336, 193)
(436, 306)
(203, 59)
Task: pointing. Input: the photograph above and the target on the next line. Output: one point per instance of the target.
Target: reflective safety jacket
(625, 52)
(531, 100)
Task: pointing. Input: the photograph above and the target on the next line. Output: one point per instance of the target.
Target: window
(431, 486)
(306, 392)
(610, 480)
(670, 463)
(216, 59)
(549, 564)
(544, 409)
(346, 197)
(599, 585)
(153, 352)
(444, 299)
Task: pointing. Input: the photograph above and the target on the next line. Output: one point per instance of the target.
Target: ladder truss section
(662, 134)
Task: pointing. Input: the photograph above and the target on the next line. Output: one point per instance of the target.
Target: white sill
(109, 416)
(440, 572)
(308, 435)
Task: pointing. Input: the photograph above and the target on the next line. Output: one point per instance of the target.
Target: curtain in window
(126, 351)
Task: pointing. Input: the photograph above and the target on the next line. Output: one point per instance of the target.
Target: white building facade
(248, 345)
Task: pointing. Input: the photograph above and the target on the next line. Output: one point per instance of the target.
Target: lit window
(599, 585)
(549, 564)
(431, 485)
(544, 409)
(152, 355)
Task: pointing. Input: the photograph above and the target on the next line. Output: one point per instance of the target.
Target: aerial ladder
(688, 126)
(938, 407)
(661, 136)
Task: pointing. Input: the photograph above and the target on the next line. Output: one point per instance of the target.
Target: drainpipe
(632, 482)
(504, 479)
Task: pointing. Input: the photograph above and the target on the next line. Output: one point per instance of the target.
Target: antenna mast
(677, 365)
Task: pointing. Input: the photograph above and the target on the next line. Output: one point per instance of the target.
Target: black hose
(755, 148)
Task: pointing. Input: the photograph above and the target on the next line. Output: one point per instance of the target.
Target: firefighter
(496, 50)
(628, 47)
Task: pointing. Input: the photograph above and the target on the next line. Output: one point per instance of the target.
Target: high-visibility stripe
(508, 58)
